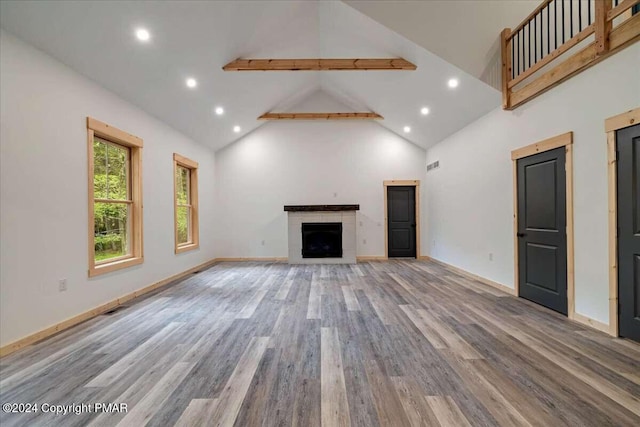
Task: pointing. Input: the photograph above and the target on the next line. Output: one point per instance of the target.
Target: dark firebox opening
(322, 240)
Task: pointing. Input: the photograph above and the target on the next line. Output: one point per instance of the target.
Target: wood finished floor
(402, 343)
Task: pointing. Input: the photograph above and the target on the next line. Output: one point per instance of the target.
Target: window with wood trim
(115, 198)
(185, 173)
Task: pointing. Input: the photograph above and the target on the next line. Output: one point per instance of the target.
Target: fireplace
(328, 234)
(321, 240)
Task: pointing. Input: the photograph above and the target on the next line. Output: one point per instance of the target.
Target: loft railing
(533, 53)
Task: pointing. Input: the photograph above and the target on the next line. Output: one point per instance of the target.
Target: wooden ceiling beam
(320, 116)
(380, 64)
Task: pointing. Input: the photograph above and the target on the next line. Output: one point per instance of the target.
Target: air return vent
(432, 166)
(115, 310)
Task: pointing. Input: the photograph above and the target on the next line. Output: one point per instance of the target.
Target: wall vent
(434, 165)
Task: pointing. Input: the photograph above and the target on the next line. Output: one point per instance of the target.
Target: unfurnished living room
(320, 213)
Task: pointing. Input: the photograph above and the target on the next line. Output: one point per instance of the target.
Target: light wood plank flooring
(399, 343)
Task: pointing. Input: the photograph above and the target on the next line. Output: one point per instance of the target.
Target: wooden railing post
(505, 53)
(602, 26)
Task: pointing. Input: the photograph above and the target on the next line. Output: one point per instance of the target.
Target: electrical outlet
(62, 285)
(263, 243)
(490, 256)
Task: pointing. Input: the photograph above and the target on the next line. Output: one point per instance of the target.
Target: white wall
(470, 198)
(43, 192)
(289, 163)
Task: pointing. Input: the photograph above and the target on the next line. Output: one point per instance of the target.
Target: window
(185, 173)
(115, 198)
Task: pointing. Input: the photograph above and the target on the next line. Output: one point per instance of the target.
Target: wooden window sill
(188, 247)
(114, 266)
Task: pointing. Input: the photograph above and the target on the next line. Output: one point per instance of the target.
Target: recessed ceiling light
(143, 35)
(453, 83)
(407, 129)
(424, 111)
(219, 111)
(191, 82)
(236, 129)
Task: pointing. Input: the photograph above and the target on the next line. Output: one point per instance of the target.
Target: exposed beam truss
(320, 116)
(379, 64)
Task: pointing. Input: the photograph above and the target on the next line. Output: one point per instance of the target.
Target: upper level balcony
(559, 39)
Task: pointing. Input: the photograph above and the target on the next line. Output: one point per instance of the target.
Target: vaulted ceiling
(195, 39)
(465, 33)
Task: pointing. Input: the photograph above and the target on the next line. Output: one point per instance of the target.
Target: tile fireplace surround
(298, 214)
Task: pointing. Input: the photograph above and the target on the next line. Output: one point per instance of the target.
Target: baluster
(516, 42)
(524, 51)
(541, 34)
(513, 71)
(535, 42)
(522, 47)
(524, 61)
(518, 55)
(579, 15)
(563, 21)
(555, 23)
(589, 12)
(548, 31)
(520, 58)
(570, 19)
(529, 25)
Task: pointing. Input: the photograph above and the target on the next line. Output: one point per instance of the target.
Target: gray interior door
(628, 146)
(401, 223)
(542, 235)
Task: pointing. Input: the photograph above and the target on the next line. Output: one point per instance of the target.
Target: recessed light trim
(407, 129)
(143, 35)
(424, 111)
(219, 111)
(453, 83)
(191, 83)
(237, 129)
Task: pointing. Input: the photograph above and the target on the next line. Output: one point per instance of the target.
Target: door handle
(521, 234)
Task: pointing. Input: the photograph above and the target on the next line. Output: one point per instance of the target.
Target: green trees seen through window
(183, 202)
(112, 200)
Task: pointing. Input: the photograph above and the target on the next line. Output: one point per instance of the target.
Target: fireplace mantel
(321, 208)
